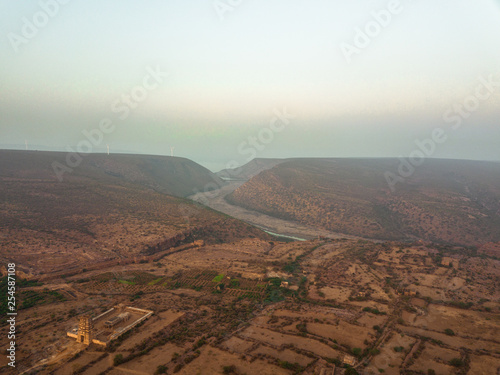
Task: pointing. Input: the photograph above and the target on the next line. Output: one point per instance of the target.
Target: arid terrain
(226, 297)
(447, 201)
(285, 308)
(109, 208)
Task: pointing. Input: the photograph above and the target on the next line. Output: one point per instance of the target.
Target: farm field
(261, 311)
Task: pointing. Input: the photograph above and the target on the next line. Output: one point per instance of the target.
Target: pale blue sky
(227, 76)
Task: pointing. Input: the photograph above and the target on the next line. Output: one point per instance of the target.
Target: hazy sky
(65, 67)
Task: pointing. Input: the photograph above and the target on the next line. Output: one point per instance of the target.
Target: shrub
(178, 367)
(234, 283)
(229, 369)
(118, 359)
(457, 362)
(301, 327)
(161, 369)
(357, 351)
(449, 332)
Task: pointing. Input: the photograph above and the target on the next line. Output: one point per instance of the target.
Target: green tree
(357, 351)
(118, 359)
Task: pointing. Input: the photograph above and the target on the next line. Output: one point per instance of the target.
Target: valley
(445, 201)
(118, 274)
(217, 200)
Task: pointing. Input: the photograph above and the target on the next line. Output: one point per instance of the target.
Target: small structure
(284, 284)
(117, 319)
(327, 371)
(447, 262)
(349, 360)
(409, 292)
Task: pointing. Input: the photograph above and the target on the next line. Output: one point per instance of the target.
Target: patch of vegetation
(357, 352)
(32, 298)
(449, 332)
(20, 283)
(136, 296)
(161, 369)
(118, 360)
(374, 311)
(126, 282)
(291, 366)
(350, 371)
(274, 296)
(302, 327)
(460, 304)
(292, 267)
(218, 278)
(154, 282)
(229, 369)
(457, 362)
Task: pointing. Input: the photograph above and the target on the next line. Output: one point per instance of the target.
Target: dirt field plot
(418, 302)
(439, 353)
(370, 320)
(389, 360)
(484, 365)
(235, 344)
(212, 360)
(344, 333)
(426, 291)
(99, 367)
(408, 317)
(221, 256)
(150, 327)
(283, 355)
(149, 363)
(324, 314)
(338, 293)
(78, 363)
(427, 360)
(462, 322)
(453, 341)
(277, 339)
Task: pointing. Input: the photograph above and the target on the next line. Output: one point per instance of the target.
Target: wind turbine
(172, 150)
(107, 146)
(26, 144)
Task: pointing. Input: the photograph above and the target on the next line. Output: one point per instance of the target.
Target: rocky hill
(170, 175)
(450, 201)
(109, 207)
